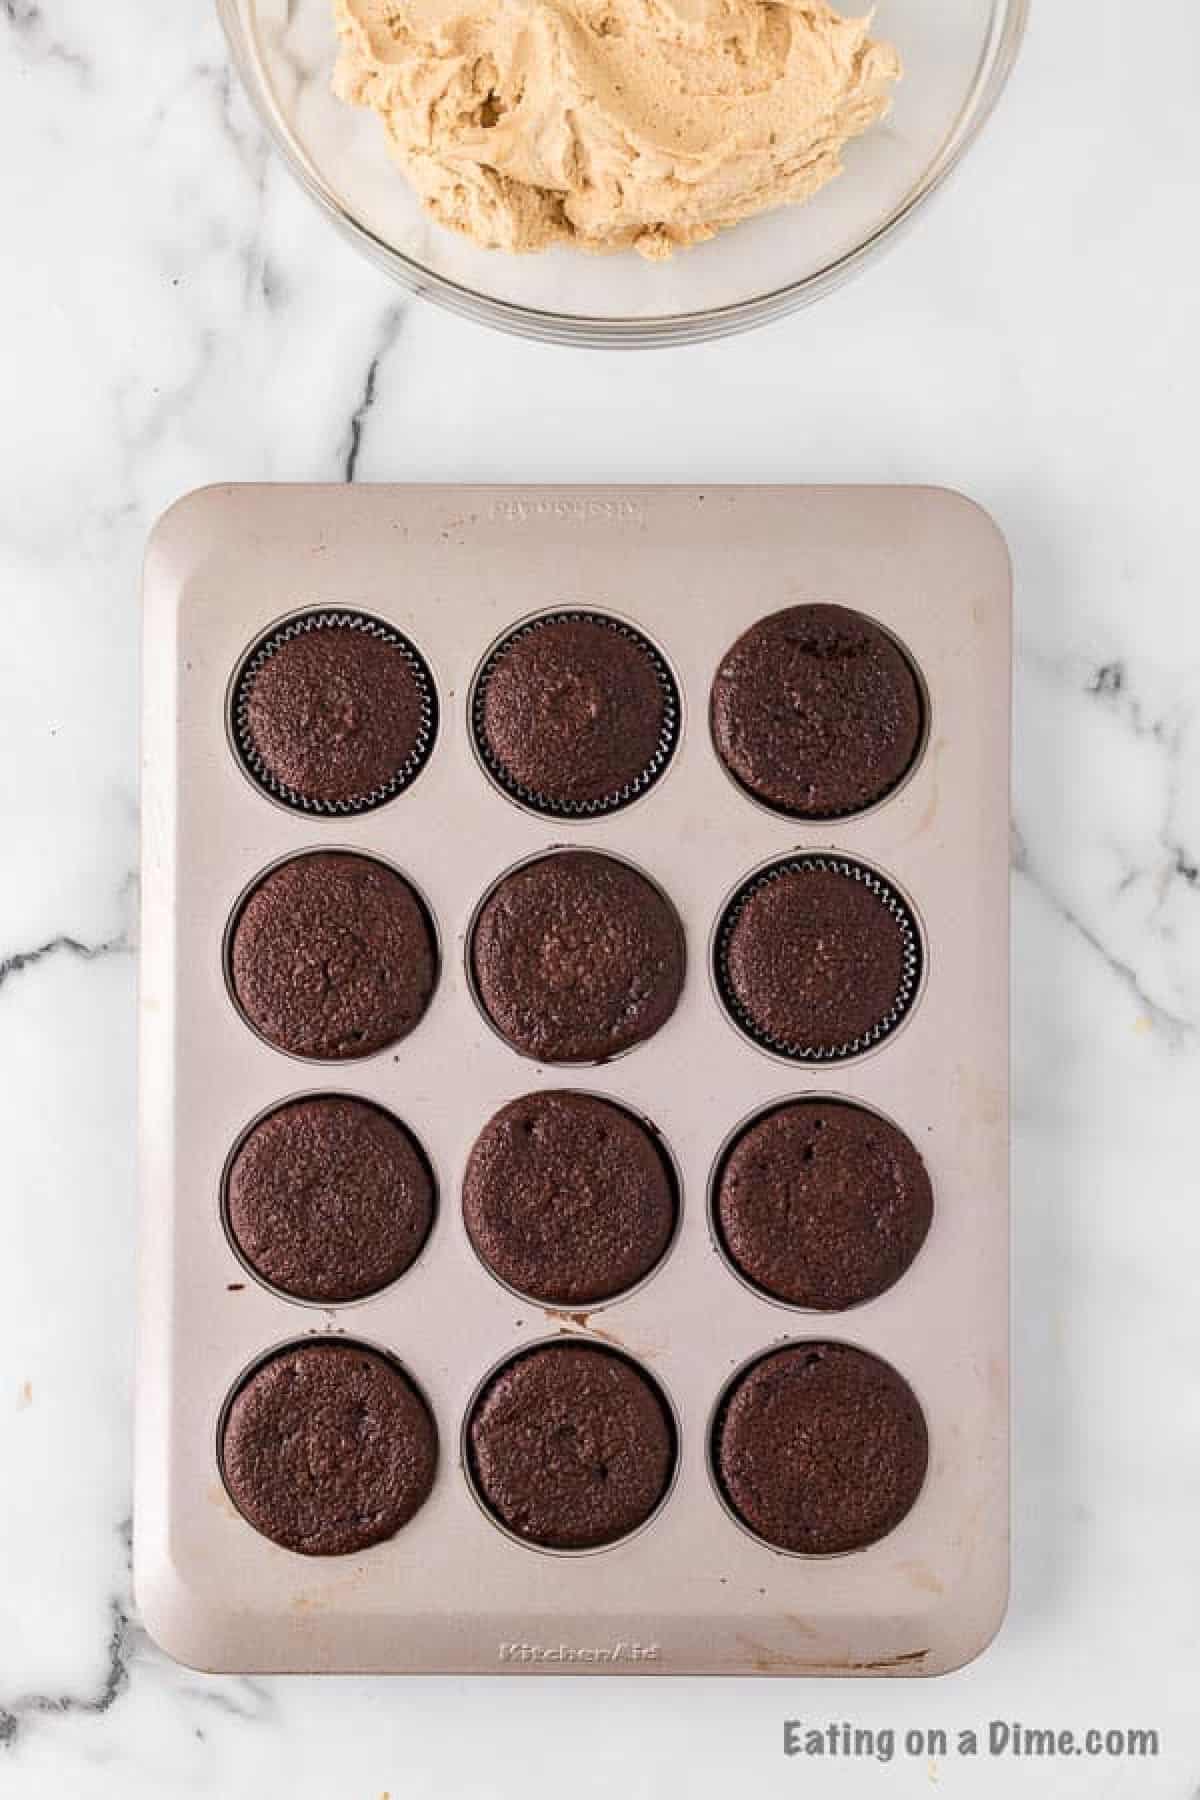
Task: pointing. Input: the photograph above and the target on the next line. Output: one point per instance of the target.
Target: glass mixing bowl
(957, 56)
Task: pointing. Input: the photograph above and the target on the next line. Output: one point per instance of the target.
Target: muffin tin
(453, 571)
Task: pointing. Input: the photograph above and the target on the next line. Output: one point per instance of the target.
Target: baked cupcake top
(571, 1447)
(577, 957)
(332, 956)
(329, 1199)
(822, 1204)
(575, 713)
(568, 1198)
(816, 711)
(328, 1448)
(818, 958)
(334, 712)
(821, 1448)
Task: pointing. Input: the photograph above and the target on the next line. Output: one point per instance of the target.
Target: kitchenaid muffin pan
(574, 1080)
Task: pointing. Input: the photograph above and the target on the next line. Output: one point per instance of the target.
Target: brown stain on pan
(573, 1323)
(922, 1577)
(765, 1660)
(569, 1323)
(309, 1603)
(902, 1661)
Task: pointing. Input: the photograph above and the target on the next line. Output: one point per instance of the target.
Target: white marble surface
(174, 313)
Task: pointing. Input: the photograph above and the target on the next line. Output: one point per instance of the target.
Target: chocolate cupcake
(818, 958)
(568, 1198)
(577, 957)
(575, 714)
(332, 955)
(334, 712)
(816, 712)
(570, 1447)
(328, 1199)
(822, 1204)
(328, 1448)
(820, 1448)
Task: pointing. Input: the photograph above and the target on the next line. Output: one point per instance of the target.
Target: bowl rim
(996, 63)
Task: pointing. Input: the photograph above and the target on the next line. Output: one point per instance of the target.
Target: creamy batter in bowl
(956, 58)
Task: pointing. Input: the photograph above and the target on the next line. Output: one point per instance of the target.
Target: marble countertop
(175, 313)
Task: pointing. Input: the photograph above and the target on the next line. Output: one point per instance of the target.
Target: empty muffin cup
(817, 958)
(575, 714)
(333, 713)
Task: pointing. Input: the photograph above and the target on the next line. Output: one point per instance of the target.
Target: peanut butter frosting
(611, 124)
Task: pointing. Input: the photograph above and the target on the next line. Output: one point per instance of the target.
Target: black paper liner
(608, 803)
(321, 619)
(892, 901)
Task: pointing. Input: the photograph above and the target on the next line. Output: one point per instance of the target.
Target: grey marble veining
(173, 312)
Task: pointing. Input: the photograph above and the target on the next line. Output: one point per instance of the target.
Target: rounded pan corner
(983, 525)
(179, 1618)
(178, 512)
(181, 530)
(977, 1636)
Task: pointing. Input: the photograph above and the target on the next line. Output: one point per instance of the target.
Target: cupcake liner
(889, 898)
(609, 803)
(323, 619)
